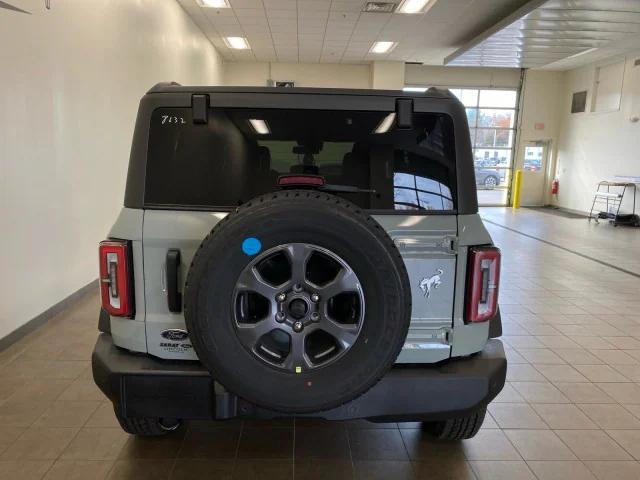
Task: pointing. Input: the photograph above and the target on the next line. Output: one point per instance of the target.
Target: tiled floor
(570, 409)
(617, 246)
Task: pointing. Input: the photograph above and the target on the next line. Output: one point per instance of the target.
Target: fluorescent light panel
(213, 3)
(415, 89)
(584, 52)
(386, 123)
(415, 6)
(237, 43)
(260, 126)
(383, 46)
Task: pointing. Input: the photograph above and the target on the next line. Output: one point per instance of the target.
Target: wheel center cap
(298, 308)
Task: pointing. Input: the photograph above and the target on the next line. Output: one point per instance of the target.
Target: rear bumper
(144, 386)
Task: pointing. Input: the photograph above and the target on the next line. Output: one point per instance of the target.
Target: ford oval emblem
(175, 334)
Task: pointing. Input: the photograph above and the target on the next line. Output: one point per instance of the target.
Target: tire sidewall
(209, 304)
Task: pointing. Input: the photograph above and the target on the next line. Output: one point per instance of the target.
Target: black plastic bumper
(144, 386)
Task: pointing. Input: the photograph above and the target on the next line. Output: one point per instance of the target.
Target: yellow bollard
(517, 184)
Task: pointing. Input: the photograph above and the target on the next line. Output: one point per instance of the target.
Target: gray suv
(299, 252)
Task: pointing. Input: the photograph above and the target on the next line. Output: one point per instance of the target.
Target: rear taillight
(482, 283)
(115, 278)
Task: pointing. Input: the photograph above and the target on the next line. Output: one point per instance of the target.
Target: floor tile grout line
(601, 262)
(62, 451)
(353, 465)
(293, 451)
(175, 460)
(606, 432)
(235, 457)
(406, 450)
(562, 461)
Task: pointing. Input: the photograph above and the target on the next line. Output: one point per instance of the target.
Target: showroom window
(491, 114)
(492, 121)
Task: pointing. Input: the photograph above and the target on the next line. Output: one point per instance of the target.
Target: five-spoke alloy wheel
(298, 307)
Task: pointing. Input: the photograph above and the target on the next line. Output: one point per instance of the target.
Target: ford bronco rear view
(299, 252)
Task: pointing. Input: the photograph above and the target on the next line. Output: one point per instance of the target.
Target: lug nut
(315, 316)
(297, 326)
(281, 297)
(280, 317)
(315, 298)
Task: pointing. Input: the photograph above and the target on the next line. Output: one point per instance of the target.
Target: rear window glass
(241, 153)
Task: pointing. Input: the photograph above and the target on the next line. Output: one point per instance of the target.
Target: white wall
(597, 146)
(439, 76)
(323, 75)
(388, 75)
(539, 120)
(70, 82)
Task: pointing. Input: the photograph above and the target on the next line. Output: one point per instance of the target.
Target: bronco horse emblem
(431, 283)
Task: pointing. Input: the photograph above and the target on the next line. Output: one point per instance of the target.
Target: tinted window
(240, 153)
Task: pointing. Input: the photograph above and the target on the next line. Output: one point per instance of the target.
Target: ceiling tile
(282, 14)
(236, 4)
(260, 30)
(339, 27)
(351, 7)
(313, 5)
(220, 12)
(279, 4)
(250, 12)
(224, 20)
(230, 30)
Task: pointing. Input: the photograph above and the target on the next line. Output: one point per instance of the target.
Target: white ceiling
(556, 34)
(337, 31)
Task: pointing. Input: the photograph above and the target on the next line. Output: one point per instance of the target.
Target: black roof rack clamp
(200, 108)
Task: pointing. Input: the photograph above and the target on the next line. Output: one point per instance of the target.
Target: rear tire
(457, 428)
(146, 426)
(491, 182)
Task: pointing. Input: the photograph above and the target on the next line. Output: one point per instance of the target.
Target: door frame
(546, 170)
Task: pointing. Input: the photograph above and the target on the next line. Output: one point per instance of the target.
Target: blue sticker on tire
(251, 246)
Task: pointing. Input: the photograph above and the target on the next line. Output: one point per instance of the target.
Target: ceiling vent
(379, 7)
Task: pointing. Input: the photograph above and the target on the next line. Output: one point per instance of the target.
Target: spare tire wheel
(298, 301)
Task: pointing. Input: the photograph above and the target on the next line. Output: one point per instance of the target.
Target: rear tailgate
(425, 243)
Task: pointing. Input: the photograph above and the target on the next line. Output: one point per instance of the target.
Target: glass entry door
(534, 173)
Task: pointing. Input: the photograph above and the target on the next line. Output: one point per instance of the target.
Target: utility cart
(610, 195)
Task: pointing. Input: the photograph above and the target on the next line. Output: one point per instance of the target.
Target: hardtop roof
(173, 87)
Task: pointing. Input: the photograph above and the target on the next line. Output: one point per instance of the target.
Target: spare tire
(297, 301)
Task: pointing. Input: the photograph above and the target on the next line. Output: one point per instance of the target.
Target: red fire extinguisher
(554, 186)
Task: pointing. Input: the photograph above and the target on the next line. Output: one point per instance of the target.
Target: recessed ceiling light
(260, 126)
(386, 123)
(213, 3)
(383, 46)
(415, 6)
(379, 7)
(237, 43)
(415, 89)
